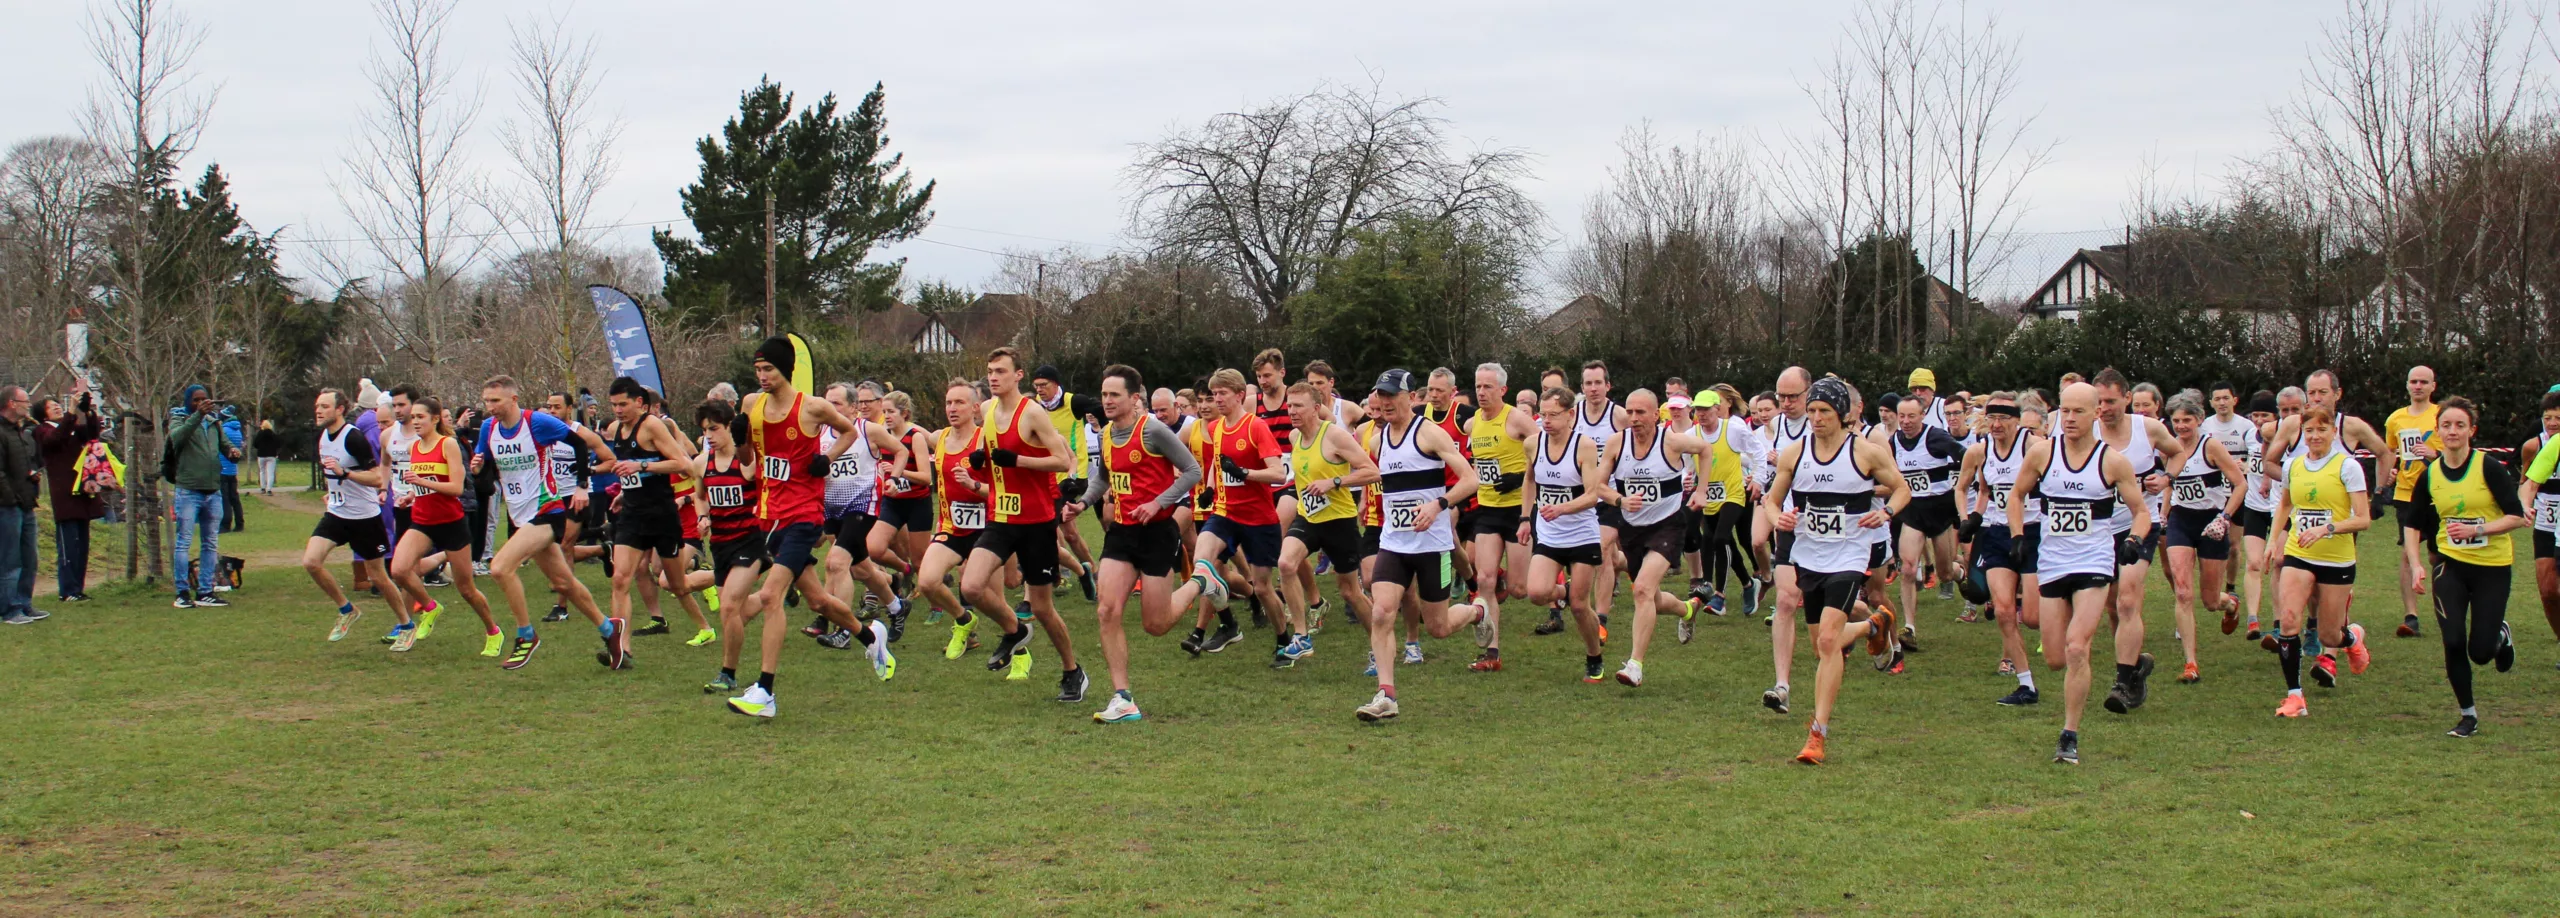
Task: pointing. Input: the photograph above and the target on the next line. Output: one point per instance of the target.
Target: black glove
(1004, 457)
(741, 430)
(2128, 550)
(1972, 528)
(1229, 465)
(818, 465)
(978, 458)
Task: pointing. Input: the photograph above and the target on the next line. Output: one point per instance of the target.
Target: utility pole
(769, 322)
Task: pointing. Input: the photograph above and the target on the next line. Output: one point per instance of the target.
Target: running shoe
(1811, 754)
(2231, 620)
(617, 644)
(1688, 619)
(1412, 653)
(702, 637)
(2120, 698)
(2506, 648)
(2019, 697)
(489, 647)
(898, 609)
(755, 703)
(1225, 636)
(1379, 709)
(960, 642)
(1191, 642)
(1071, 686)
(1631, 675)
(2324, 670)
(1554, 623)
(394, 633)
(2253, 629)
(211, 600)
(558, 613)
(1372, 671)
(1213, 587)
(435, 578)
(817, 627)
(1879, 632)
(480, 568)
(1120, 711)
(1715, 604)
(1483, 628)
(2008, 667)
(883, 663)
(2462, 729)
(1084, 581)
(522, 653)
(185, 601)
(1018, 669)
(2188, 675)
(1281, 660)
(407, 640)
(1751, 591)
(2067, 750)
(1909, 640)
(870, 604)
(838, 639)
(2408, 626)
(2267, 642)
(1005, 647)
(1775, 699)
(2140, 687)
(427, 619)
(720, 685)
(1299, 648)
(1591, 672)
(346, 623)
(1315, 614)
(2359, 654)
(1891, 664)
(1324, 564)
(2293, 706)
(656, 625)
(1489, 661)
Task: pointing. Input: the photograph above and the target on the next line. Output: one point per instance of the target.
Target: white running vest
(1650, 477)
(348, 499)
(1408, 479)
(525, 476)
(854, 478)
(2198, 485)
(2144, 458)
(1927, 473)
(1559, 481)
(397, 442)
(2000, 473)
(1831, 494)
(2077, 504)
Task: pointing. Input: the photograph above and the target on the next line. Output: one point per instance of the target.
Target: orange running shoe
(1811, 754)
(2358, 655)
(2188, 675)
(2293, 706)
(1879, 631)
(2230, 619)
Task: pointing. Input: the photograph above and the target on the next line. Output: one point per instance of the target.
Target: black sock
(1281, 637)
(1592, 661)
(657, 619)
(765, 682)
(1493, 653)
(965, 618)
(864, 635)
(1226, 619)
(2289, 652)
(729, 672)
(1197, 633)
(1254, 600)
(2346, 639)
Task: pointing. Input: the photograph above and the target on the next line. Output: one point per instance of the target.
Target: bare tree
(52, 246)
(563, 154)
(407, 188)
(1983, 145)
(145, 114)
(1276, 191)
(1673, 246)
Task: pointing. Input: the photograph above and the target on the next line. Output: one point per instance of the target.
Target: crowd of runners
(1429, 505)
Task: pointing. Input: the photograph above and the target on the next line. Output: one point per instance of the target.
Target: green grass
(223, 762)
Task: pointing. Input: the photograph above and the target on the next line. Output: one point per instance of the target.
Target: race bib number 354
(1826, 523)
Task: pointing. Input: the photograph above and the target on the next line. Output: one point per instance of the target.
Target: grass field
(229, 762)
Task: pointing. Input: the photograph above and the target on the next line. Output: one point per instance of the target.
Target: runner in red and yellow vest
(782, 424)
(1146, 473)
(1247, 467)
(1020, 455)
(959, 511)
(437, 477)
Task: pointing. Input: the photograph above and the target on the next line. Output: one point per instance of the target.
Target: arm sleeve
(480, 444)
(2422, 507)
(1095, 486)
(2501, 482)
(1186, 467)
(361, 450)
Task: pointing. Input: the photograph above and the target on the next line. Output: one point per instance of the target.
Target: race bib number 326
(2067, 519)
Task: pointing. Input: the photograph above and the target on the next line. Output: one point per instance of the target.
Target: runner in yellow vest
(2463, 506)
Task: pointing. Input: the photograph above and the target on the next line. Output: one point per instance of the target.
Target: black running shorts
(364, 537)
(1427, 574)
(1153, 547)
(1033, 545)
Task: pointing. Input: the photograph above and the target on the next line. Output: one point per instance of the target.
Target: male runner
(1495, 437)
(1640, 475)
(1565, 469)
(519, 444)
(1246, 469)
(353, 518)
(782, 426)
(1825, 493)
(1414, 461)
(649, 451)
(852, 496)
(960, 513)
(1067, 413)
(2146, 444)
(2544, 501)
(2081, 482)
(1021, 454)
(1933, 410)
(1927, 458)
(2237, 434)
(1987, 485)
(1788, 427)
(1147, 471)
(2411, 431)
(1599, 422)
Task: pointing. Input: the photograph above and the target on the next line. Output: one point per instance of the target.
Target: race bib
(845, 466)
(1228, 479)
(2000, 498)
(1311, 503)
(1487, 472)
(726, 496)
(1715, 492)
(2546, 516)
(2187, 490)
(1645, 490)
(965, 517)
(1120, 483)
(1553, 495)
(1008, 505)
(1403, 513)
(1825, 523)
(2257, 463)
(2478, 539)
(777, 469)
(2067, 519)
(1918, 482)
(2410, 440)
(2306, 518)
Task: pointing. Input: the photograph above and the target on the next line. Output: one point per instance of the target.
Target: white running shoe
(882, 664)
(1120, 711)
(408, 639)
(1379, 709)
(1631, 674)
(1484, 628)
(346, 623)
(755, 703)
(1214, 588)
(1413, 653)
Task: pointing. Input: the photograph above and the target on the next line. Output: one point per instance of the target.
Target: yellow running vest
(1308, 462)
(2320, 498)
(2468, 500)
(1496, 454)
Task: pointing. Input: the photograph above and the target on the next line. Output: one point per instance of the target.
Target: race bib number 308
(2187, 490)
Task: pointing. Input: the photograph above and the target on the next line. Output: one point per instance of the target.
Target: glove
(2128, 551)
(1228, 465)
(1510, 481)
(1972, 527)
(741, 430)
(1004, 457)
(817, 465)
(978, 458)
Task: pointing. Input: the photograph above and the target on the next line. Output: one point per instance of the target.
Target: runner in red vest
(1147, 472)
(1020, 453)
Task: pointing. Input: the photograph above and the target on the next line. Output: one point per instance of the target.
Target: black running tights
(2471, 615)
(1725, 549)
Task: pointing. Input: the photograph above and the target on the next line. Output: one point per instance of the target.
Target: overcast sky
(1026, 113)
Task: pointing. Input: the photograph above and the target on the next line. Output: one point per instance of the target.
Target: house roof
(1572, 320)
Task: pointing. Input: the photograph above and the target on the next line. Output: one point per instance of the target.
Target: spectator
(20, 465)
(267, 445)
(232, 519)
(193, 462)
(63, 436)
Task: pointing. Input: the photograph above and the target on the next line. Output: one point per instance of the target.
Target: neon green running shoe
(755, 703)
(720, 685)
(959, 640)
(490, 647)
(702, 637)
(427, 620)
(1021, 668)
(711, 598)
(886, 666)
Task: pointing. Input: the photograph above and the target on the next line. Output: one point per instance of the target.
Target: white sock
(2471, 712)
(2027, 679)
